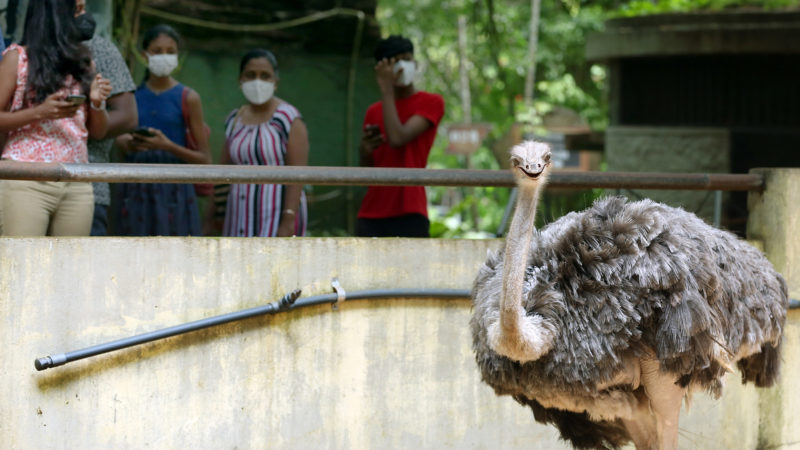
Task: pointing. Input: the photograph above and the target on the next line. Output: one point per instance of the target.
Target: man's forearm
(391, 122)
(123, 116)
(97, 124)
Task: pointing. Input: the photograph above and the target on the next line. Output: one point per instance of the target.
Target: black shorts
(410, 225)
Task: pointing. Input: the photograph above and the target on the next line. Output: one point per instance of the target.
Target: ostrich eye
(515, 161)
(547, 157)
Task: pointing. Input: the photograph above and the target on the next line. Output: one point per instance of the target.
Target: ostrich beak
(533, 175)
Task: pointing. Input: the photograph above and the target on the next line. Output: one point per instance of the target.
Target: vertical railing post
(717, 209)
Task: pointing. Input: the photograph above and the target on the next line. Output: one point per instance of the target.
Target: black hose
(288, 302)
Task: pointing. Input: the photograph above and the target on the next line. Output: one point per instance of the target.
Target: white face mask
(409, 72)
(162, 65)
(258, 92)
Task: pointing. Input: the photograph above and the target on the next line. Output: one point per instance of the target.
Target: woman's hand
(158, 141)
(128, 143)
(101, 89)
(56, 107)
(286, 226)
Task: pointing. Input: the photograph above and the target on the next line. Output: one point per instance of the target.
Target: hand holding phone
(371, 139)
(76, 100)
(58, 106)
(143, 131)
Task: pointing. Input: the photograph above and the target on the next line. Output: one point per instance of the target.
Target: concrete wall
(774, 220)
(375, 374)
(382, 374)
(671, 149)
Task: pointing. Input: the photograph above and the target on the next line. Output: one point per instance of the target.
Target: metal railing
(366, 176)
(353, 176)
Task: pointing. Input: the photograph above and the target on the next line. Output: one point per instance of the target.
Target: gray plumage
(616, 286)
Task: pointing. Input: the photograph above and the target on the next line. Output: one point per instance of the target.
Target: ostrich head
(530, 163)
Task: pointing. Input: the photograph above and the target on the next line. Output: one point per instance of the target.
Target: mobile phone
(372, 129)
(76, 99)
(144, 132)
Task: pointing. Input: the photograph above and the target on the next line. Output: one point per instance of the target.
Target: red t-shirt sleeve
(431, 107)
(372, 116)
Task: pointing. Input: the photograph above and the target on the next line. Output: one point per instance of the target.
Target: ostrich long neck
(516, 260)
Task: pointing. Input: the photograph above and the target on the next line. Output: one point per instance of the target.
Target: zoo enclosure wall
(389, 373)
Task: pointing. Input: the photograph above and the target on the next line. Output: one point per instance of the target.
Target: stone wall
(662, 149)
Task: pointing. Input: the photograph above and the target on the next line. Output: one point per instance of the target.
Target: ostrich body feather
(620, 281)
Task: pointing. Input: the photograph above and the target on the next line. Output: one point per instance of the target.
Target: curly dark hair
(54, 49)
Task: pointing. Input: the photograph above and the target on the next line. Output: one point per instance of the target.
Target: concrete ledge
(383, 374)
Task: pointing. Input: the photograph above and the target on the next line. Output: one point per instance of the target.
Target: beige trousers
(45, 208)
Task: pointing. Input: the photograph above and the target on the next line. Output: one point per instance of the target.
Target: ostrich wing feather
(620, 279)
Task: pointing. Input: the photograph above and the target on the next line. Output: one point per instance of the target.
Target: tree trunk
(533, 47)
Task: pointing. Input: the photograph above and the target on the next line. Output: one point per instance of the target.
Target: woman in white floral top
(52, 102)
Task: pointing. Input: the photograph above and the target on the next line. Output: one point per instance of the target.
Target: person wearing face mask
(52, 101)
(398, 131)
(265, 131)
(121, 105)
(168, 111)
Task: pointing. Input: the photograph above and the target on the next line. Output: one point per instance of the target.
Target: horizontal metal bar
(366, 176)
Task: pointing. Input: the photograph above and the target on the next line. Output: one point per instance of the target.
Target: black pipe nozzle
(50, 361)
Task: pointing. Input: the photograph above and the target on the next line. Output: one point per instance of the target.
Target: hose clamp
(341, 296)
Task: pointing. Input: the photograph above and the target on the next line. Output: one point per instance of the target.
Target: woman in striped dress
(266, 131)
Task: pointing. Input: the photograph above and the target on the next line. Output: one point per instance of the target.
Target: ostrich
(603, 321)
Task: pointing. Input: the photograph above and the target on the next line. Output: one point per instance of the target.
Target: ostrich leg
(642, 427)
(656, 423)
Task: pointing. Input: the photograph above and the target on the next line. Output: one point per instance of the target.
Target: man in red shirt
(398, 131)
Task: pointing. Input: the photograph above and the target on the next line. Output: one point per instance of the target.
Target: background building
(706, 92)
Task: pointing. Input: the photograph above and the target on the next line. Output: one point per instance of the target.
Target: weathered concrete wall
(382, 374)
(664, 149)
(375, 374)
(774, 220)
